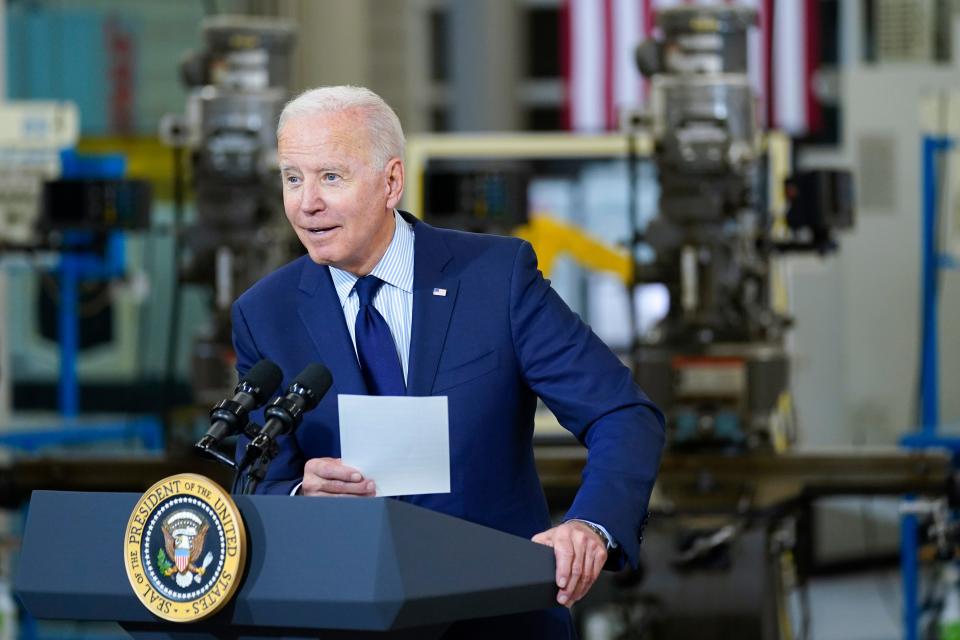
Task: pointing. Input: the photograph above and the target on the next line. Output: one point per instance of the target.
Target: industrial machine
(238, 85)
(31, 137)
(32, 134)
(716, 364)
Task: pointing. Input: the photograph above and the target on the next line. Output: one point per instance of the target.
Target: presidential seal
(185, 548)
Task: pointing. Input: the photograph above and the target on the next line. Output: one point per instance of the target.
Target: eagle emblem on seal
(184, 533)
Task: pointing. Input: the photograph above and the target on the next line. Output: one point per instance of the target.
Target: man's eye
(330, 177)
(291, 180)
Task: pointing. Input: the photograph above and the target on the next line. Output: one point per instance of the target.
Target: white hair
(382, 124)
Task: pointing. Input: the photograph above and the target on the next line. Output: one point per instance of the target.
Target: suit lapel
(434, 295)
(319, 309)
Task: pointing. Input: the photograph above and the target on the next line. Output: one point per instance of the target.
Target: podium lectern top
(314, 563)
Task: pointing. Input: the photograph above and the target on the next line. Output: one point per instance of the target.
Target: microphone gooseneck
(285, 414)
(230, 417)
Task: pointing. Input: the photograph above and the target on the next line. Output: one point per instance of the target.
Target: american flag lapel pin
(439, 292)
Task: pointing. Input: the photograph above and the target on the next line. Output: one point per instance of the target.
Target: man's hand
(581, 554)
(330, 477)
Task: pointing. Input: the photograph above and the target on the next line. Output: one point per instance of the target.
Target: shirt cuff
(611, 543)
(297, 486)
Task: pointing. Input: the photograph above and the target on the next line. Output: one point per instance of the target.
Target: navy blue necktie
(376, 350)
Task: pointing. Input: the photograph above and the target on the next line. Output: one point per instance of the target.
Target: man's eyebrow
(323, 169)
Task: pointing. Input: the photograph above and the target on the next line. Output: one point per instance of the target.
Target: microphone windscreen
(266, 377)
(317, 378)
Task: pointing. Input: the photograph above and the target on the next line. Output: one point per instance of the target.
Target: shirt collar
(395, 267)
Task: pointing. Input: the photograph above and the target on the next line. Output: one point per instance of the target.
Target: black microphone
(229, 417)
(285, 414)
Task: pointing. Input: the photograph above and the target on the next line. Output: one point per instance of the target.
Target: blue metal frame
(76, 265)
(931, 261)
(147, 429)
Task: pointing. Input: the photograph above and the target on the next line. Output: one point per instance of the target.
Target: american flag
(601, 80)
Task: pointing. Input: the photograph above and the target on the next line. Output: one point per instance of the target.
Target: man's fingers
(576, 570)
(568, 573)
(347, 490)
(340, 487)
(332, 469)
(586, 578)
(592, 565)
(544, 537)
(330, 477)
(563, 552)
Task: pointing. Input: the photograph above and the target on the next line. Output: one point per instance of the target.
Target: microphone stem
(256, 474)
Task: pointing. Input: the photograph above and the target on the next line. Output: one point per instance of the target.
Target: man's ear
(394, 182)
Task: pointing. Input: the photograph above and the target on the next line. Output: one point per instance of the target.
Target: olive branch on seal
(163, 563)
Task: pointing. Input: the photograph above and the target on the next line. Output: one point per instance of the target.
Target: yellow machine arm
(552, 238)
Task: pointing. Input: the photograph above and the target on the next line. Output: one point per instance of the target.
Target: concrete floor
(865, 606)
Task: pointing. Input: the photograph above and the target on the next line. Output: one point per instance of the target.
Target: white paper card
(402, 443)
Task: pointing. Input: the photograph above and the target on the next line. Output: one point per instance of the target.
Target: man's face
(338, 201)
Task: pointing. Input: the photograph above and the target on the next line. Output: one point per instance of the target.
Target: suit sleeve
(593, 395)
(286, 470)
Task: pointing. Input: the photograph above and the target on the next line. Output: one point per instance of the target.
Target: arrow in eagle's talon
(207, 559)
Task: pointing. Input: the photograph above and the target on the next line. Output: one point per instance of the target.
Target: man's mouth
(319, 231)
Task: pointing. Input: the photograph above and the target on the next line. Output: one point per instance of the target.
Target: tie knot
(367, 287)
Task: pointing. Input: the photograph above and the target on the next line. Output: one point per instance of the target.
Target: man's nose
(312, 199)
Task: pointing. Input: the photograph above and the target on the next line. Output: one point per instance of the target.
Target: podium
(316, 568)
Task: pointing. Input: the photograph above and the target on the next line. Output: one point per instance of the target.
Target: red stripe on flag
(565, 66)
(608, 65)
(811, 62)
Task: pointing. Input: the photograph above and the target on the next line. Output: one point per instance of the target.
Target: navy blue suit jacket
(499, 338)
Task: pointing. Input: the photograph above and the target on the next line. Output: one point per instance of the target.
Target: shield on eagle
(182, 557)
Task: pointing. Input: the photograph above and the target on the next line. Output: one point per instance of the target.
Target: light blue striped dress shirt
(394, 300)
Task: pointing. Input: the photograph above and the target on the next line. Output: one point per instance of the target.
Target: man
(394, 306)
